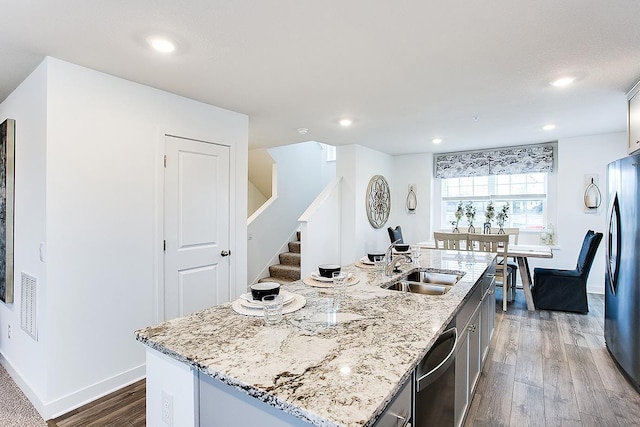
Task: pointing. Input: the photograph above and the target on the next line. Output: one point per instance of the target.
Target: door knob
(225, 253)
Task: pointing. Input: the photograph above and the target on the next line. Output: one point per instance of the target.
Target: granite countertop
(328, 370)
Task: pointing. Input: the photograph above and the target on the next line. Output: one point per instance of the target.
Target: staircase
(289, 268)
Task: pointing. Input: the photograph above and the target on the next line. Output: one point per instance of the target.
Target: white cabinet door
(462, 378)
(488, 317)
(475, 351)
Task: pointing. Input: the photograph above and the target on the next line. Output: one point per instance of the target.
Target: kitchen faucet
(390, 262)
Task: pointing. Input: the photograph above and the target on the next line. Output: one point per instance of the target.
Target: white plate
(320, 278)
(352, 279)
(296, 303)
(365, 261)
(246, 300)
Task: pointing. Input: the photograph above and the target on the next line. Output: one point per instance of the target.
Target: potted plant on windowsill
(489, 214)
(470, 212)
(501, 217)
(458, 214)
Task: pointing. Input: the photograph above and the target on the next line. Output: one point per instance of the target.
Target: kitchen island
(317, 367)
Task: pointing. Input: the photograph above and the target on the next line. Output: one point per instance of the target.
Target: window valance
(503, 161)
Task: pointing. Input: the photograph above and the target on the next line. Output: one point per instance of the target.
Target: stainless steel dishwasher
(435, 383)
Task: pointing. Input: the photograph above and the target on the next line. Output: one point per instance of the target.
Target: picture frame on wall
(7, 181)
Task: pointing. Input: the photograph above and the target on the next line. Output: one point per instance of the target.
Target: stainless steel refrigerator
(622, 278)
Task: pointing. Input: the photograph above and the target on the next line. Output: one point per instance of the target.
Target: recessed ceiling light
(161, 44)
(562, 82)
(549, 127)
(345, 122)
(303, 131)
(436, 140)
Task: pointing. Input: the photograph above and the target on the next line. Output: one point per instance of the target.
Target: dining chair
(513, 233)
(566, 290)
(496, 243)
(451, 241)
(395, 234)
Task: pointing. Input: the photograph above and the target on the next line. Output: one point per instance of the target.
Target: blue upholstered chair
(566, 290)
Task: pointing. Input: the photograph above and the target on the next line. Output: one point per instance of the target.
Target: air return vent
(28, 305)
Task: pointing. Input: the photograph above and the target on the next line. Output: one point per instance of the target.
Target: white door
(196, 226)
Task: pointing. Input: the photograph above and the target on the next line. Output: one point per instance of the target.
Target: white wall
(302, 175)
(261, 178)
(578, 157)
(412, 169)
(357, 165)
(255, 199)
(321, 230)
(103, 144)
(24, 357)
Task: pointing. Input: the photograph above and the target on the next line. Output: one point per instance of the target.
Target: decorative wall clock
(378, 201)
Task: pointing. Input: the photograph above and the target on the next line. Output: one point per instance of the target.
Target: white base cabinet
(222, 405)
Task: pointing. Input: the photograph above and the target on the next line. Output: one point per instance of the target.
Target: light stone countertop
(325, 370)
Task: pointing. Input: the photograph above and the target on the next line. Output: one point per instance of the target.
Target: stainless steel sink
(426, 283)
(420, 288)
(448, 279)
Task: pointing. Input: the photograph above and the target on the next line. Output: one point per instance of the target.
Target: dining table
(522, 253)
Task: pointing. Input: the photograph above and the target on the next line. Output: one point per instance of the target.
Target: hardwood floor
(552, 369)
(543, 369)
(123, 408)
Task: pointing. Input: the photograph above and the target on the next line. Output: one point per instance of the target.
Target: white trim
(233, 236)
(318, 201)
(158, 261)
(161, 135)
(78, 398)
(272, 199)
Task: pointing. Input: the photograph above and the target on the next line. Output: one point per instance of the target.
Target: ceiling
(475, 73)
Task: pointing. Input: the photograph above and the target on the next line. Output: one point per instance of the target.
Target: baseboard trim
(22, 385)
(71, 401)
(95, 391)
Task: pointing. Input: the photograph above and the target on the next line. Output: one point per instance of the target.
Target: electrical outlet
(9, 331)
(167, 408)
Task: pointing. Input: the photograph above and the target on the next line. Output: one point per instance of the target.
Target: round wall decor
(378, 201)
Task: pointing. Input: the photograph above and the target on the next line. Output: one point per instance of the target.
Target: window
(526, 195)
(330, 152)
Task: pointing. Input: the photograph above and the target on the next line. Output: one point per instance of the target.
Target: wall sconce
(412, 200)
(592, 195)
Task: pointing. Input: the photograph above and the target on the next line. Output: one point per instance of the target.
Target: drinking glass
(340, 282)
(415, 253)
(272, 305)
(378, 261)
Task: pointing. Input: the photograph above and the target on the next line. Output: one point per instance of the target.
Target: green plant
(489, 213)
(458, 214)
(502, 216)
(470, 212)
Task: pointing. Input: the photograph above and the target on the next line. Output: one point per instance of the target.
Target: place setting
(330, 276)
(269, 300)
(370, 260)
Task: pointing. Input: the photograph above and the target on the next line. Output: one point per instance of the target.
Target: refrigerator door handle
(613, 245)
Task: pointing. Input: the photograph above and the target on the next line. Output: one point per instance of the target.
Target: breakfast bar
(339, 360)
